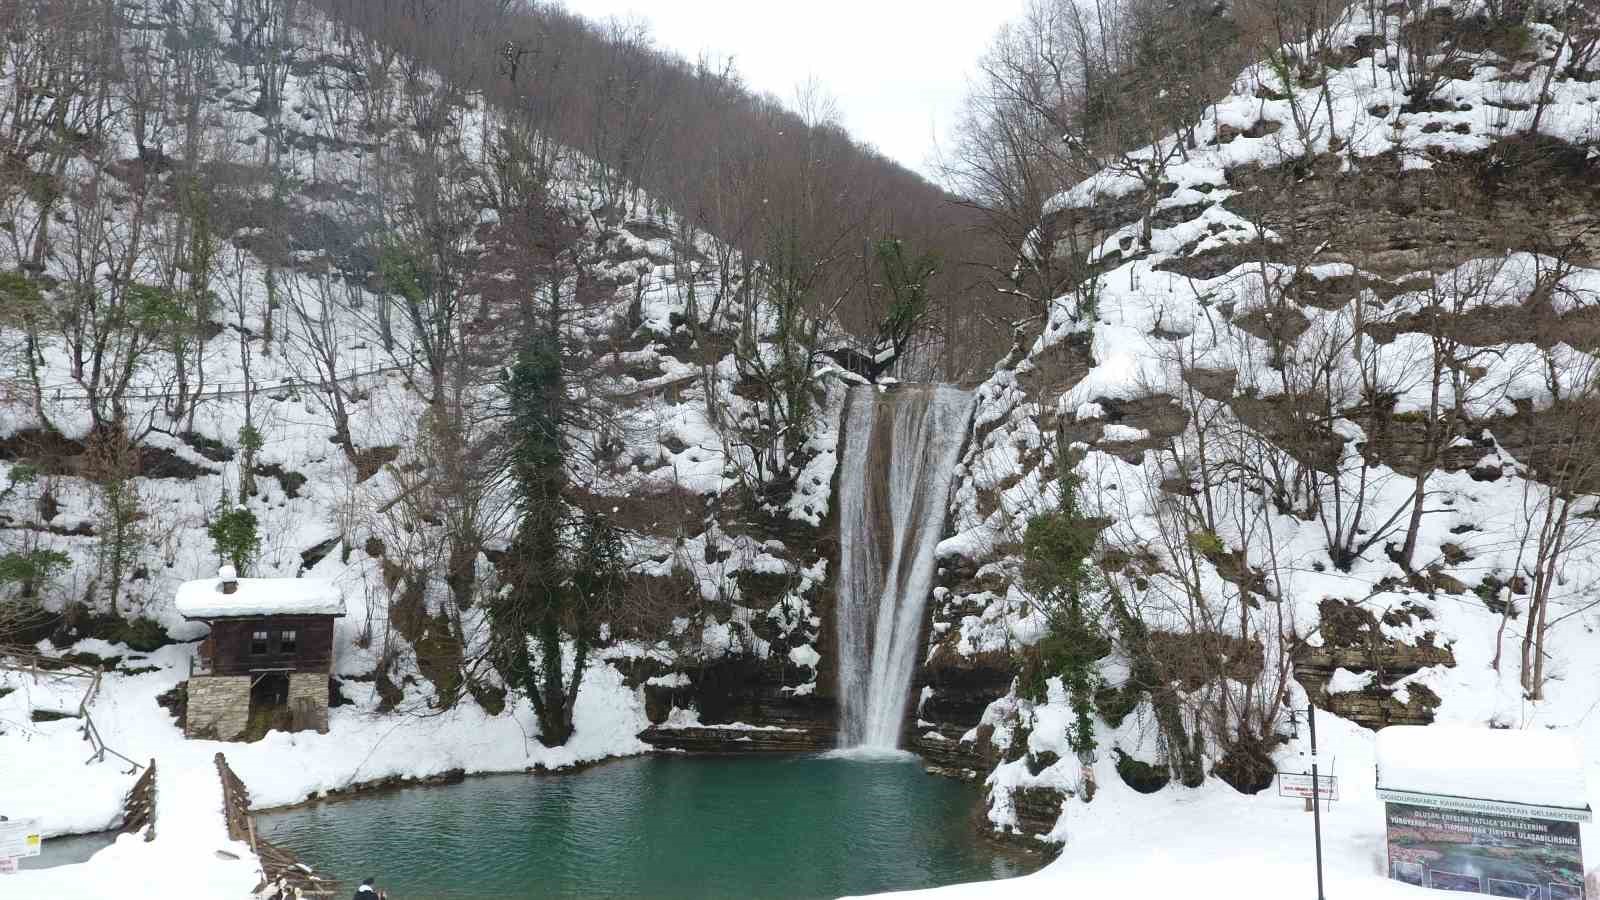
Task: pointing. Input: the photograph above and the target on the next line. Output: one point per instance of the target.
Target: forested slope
(265, 266)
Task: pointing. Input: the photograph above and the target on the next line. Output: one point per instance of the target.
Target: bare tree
(1557, 520)
(1449, 370)
(318, 307)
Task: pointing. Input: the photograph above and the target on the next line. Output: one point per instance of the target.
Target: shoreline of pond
(966, 828)
(1028, 856)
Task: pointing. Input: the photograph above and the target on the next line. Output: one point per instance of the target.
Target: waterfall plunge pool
(657, 826)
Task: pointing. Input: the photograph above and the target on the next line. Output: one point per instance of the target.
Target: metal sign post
(1316, 795)
(1314, 788)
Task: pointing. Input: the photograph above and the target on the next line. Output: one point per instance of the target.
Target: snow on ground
(1360, 112)
(1213, 842)
(191, 855)
(1534, 767)
(43, 778)
(1217, 842)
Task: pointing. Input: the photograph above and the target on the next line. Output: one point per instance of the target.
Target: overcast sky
(897, 67)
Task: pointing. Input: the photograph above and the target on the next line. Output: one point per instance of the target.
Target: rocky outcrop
(1357, 641)
(1378, 707)
(954, 690)
(733, 739)
(1393, 220)
(954, 685)
(1036, 810)
(774, 703)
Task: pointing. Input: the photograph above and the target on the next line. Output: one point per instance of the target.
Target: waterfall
(901, 446)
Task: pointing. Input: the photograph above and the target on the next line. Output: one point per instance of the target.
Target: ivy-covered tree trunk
(537, 604)
(539, 596)
(1058, 569)
(536, 599)
(1184, 753)
(564, 568)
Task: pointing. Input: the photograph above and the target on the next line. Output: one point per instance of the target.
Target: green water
(666, 827)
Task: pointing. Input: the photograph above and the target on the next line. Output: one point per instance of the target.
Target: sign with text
(1482, 853)
(1487, 807)
(19, 837)
(1291, 785)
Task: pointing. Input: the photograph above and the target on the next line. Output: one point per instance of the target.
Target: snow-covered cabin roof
(203, 598)
(1536, 767)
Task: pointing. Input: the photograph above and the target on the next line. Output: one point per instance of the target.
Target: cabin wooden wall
(230, 644)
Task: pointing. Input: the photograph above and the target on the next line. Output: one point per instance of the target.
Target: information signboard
(1484, 853)
(19, 837)
(1293, 785)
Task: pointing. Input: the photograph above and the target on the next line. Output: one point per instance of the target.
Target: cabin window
(258, 643)
(287, 641)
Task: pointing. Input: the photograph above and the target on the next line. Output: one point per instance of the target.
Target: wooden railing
(92, 734)
(37, 666)
(139, 807)
(278, 866)
(235, 803)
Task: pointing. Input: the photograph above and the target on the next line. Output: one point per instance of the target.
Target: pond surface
(68, 849)
(660, 827)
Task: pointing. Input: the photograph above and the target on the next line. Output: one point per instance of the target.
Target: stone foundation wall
(308, 700)
(219, 706)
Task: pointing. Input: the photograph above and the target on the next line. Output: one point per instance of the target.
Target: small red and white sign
(1292, 785)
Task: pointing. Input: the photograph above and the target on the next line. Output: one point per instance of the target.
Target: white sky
(897, 67)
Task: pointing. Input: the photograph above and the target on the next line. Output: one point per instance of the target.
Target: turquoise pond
(660, 827)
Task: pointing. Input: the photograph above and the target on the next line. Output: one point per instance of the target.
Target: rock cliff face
(775, 669)
(954, 688)
(1355, 640)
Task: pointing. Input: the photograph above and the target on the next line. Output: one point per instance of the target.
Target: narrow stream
(659, 827)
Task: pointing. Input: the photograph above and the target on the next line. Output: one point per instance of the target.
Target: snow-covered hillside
(303, 194)
(322, 511)
(1328, 400)
(1328, 309)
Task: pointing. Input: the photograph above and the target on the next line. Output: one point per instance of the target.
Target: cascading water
(901, 447)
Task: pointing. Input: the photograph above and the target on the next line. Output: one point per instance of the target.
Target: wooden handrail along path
(92, 734)
(277, 864)
(139, 807)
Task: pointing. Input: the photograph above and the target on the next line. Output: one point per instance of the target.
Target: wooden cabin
(269, 655)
